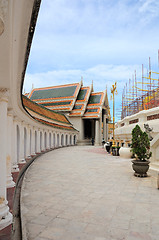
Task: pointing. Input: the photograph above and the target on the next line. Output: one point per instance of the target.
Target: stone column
(71, 139)
(33, 143)
(104, 128)
(64, 139)
(81, 133)
(49, 143)
(97, 133)
(21, 157)
(52, 140)
(38, 141)
(28, 141)
(15, 167)
(43, 142)
(60, 140)
(100, 132)
(10, 182)
(5, 216)
(55, 139)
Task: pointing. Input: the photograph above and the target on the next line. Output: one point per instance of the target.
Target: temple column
(81, 133)
(28, 141)
(60, 140)
(10, 182)
(47, 136)
(33, 143)
(38, 141)
(43, 141)
(21, 157)
(5, 215)
(104, 128)
(15, 167)
(52, 139)
(97, 133)
(100, 131)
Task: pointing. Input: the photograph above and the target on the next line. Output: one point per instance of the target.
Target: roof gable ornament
(81, 80)
(92, 86)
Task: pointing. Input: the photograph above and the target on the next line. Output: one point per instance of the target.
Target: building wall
(125, 126)
(20, 135)
(77, 122)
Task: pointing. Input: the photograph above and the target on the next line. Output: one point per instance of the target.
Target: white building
(21, 135)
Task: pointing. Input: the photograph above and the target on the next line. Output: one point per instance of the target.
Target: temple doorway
(89, 128)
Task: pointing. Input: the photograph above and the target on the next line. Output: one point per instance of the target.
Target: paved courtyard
(83, 193)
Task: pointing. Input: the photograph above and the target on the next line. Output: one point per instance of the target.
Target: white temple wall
(15, 128)
(78, 124)
(124, 127)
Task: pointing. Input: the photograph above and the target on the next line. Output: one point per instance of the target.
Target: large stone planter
(125, 152)
(140, 168)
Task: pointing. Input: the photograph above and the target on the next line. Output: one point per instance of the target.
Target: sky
(100, 40)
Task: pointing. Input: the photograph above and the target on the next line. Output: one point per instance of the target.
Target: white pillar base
(10, 182)
(34, 154)
(22, 160)
(5, 216)
(15, 168)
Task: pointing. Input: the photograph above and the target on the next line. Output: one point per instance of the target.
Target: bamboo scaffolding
(141, 94)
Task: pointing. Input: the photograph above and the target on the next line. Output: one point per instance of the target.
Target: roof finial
(92, 86)
(32, 86)
(82, 80)
(106, 87)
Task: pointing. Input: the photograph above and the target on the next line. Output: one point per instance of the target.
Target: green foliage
(140, 144)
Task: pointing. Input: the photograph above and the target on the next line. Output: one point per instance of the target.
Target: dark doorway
(89, 128)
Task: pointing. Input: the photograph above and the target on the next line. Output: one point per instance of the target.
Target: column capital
(4, 94)
(10, 112)
(15, 118)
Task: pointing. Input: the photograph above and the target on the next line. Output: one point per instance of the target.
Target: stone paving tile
(34, 230)
(83, 193)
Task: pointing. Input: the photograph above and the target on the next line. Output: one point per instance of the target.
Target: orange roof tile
(46, 113)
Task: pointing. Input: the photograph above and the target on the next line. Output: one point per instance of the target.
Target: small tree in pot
(141, 149)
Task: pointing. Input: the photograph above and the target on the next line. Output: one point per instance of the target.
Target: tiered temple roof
(59, 98)
(81, 102)
(95, 104)
(46, 116)
(73, 99)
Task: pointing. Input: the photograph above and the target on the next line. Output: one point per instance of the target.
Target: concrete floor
(83, 193)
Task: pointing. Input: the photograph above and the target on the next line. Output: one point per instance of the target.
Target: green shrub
(140, 144)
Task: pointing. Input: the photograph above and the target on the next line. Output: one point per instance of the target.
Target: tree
(140, 144)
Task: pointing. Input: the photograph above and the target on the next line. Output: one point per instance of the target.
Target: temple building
(88, 111)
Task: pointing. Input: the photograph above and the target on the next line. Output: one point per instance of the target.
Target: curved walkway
(83, 193)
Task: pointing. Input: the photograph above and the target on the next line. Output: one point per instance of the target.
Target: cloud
(101, 75)
(101, 40)
(78, 34)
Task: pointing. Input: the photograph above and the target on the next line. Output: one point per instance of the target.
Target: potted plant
(141, 150)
